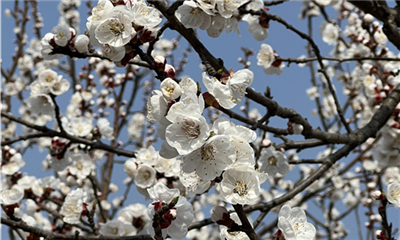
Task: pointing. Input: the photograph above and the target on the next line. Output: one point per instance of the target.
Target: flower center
(241, 189)
(79, 128)
(116, 27)
(395, 193)
(145, 175)
(113, 230)
(191, 128)
(207, 153)
(49, 79)
(79, 166)
(272, 161)
(297, 226)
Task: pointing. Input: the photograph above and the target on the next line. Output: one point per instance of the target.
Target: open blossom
(147, 155)
(62, 34)
(192, 16)
(11, 196)
(135, 214)
(145, 176)
(330, 33)
(170, 167)
(187, 132)
(265, 56)
(116, 30)
(113, 53)
(135, 126)
(393, 193)
(211, 159)
(13, 165)
(380, 37)
(73, 206)
(41, 104)
(176, 220)
(193, 183)
(240, 185)
(146, 16)
(273, 162)
(170, 89)
(82, 164)
(48, 77)
(105, 129)
(231, 93)
(227, 7)
(78, 126)
(293, 224)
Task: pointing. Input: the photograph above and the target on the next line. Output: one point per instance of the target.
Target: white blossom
(240, 185)
(230, 94)
(216, 155)
(13, 165)
(187, 132)
(62, 34)
(145, 16)
(293, 224)
(145, 176)
(192, 16)
(78, 126)
(41, 104)
(105, 129)
(11, 196)
(73, 206)
(273, 162)
(393, 193)
(113, 53)
(330, 33)
(116, 30)
(170, 89)
(82, 164)
(265, 56)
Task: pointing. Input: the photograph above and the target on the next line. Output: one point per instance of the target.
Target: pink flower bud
(221, 216)
(159, 62)
(148, 36)
(376, 194)
(169, 71)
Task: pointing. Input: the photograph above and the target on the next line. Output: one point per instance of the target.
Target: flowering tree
(118, 92)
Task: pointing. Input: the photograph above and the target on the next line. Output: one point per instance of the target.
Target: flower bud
(297, 128)
(376, 194)
(221, 216)
(81, 43)
(169, 71)
(159, 62)
(368, 18)
(130, 168)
